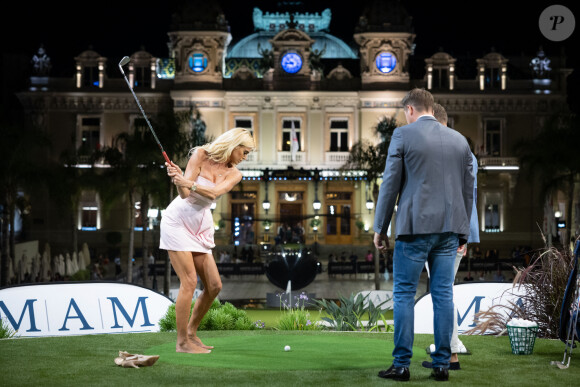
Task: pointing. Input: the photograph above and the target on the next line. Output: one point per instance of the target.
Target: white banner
(66, 309)
(470, 298)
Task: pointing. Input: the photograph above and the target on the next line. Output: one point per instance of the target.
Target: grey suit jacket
(430, 170)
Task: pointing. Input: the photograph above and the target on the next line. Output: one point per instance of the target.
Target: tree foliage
(551, 158)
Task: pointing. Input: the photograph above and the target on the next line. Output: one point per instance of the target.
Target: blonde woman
(187, 227)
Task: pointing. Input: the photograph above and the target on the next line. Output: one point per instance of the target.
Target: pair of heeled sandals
(128, 360)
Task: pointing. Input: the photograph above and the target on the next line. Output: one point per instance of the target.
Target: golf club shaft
(145, 116)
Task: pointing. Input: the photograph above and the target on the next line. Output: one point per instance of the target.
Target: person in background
(457, 345)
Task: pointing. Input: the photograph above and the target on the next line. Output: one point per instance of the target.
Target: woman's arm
(184, 181)
(223, 187)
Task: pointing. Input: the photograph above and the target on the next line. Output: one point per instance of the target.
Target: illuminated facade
(293, 79)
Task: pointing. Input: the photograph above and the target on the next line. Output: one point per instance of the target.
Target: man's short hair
(440, 113)
(420, 99)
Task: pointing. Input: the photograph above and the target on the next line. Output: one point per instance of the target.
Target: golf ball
(287, 348)
(432, 347)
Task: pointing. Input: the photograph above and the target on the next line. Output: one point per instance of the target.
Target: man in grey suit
(429, 171)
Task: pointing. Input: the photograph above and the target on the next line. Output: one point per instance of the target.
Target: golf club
(123, 62)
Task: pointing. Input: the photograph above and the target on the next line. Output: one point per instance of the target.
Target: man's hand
(381, 242)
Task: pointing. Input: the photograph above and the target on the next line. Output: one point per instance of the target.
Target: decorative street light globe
(370, 205)
(266, 205)
(316, 204)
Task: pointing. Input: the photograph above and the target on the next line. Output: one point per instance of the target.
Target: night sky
(119, 30)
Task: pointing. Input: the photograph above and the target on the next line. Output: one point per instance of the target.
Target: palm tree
(134, 165)
(551, 158)
(65, 185)
(21, 146)
(371, 158)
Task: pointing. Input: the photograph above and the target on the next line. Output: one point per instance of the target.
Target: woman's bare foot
(189, 347)
(197, 341)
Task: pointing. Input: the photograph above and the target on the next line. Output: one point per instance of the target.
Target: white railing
(498, 161)
(507, 163)
(336, 158)
(286, 157)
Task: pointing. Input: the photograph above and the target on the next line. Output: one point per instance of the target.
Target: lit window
(244, 122)
(493, 137)
(287, 126)
(338, 135)
(89, 212)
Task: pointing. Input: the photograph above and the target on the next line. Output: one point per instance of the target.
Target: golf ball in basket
(432, 348)
(287, 348)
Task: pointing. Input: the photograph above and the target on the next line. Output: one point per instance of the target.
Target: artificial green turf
(266, 352)
(89, 361)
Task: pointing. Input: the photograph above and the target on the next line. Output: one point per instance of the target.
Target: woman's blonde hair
(220, 149)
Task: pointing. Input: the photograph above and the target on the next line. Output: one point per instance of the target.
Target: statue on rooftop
(41, 63)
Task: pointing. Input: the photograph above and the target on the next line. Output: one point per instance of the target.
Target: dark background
(68, 28)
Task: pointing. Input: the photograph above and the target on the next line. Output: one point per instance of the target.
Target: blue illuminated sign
(386, 62)
(197, 62)
(291, 62)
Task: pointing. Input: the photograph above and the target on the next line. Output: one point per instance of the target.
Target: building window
(243, 214)
(338, 135)
(290, 125)
(492, 217)
(440, 78)
(140, 125)
(492, 135)
(90, 76)
(89, 212)
(142, 76)
(246, 122)
(492, 78)
(139, 221)
(492, 212)
(338, 219)
(450, 122)
(90, 135)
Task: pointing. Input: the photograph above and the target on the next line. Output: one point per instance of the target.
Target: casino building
(292, 79)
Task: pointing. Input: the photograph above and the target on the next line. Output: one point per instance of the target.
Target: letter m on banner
(29, 304)
(131, 320)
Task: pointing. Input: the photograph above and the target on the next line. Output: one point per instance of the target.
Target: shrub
(544, 282)
(348, 315)
(296, 317)
(6, 331)
(81, 275)
(218, 317)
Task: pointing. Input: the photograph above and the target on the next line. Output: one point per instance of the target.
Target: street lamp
(370, 205)
(316, 203)
(266, 202)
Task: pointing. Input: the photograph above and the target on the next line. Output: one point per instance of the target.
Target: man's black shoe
(453, 366)
(401, 374)
(440, 374)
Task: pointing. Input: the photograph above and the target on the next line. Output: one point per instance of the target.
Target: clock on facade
(291, 62)
(197, 62)
(386, 62)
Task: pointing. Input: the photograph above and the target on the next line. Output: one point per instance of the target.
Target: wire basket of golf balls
(522, 335)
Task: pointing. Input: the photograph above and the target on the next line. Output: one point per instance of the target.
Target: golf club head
(123, 62)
